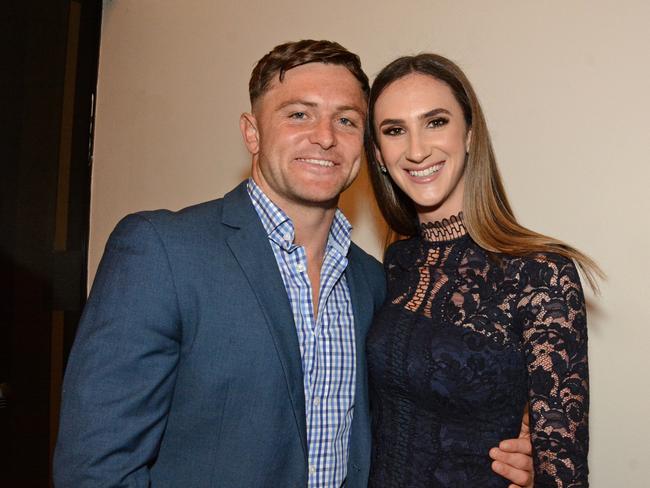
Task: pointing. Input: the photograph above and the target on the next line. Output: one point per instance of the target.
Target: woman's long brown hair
(488, 216)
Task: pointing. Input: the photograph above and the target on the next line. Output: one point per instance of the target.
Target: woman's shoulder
(555, 262)
(400, 247)
(540, 270)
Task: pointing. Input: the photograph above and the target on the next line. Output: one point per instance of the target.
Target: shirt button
(316, 401)
(300, 267)
(312, 469)
(287, 237)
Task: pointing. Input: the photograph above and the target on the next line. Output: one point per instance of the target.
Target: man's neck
(311, 222)
(312, 226)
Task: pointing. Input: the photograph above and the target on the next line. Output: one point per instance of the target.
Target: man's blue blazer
(186, 367)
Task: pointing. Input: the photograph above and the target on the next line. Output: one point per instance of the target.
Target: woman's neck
(445, 229)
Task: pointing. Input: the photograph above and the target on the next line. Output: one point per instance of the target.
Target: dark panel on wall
(48, 81)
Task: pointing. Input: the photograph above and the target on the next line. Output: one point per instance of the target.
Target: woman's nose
(417, 150)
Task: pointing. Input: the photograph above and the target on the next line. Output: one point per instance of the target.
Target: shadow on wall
(596, 314)
(358, 204)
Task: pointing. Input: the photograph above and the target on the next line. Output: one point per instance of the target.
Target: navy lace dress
(464, 341)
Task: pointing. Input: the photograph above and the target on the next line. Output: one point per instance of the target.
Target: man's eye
(298, 115)
(393, 131)
(347, 122)
(439, 122)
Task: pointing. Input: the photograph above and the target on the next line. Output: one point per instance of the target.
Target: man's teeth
(319, 162)
(426, 172)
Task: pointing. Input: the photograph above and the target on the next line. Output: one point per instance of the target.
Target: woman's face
(423, 139)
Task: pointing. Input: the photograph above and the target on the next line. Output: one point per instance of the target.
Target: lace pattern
(462, 344)
(443, 230)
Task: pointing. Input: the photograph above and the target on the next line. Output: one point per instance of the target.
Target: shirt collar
(280, 229)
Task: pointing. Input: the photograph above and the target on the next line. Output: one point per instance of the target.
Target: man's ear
(250, 133)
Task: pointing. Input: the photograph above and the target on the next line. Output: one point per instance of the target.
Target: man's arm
(121, 372)
(513, 458)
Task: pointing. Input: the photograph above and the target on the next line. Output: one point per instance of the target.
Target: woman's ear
(250, 133)
(378, 156)
(380, 161)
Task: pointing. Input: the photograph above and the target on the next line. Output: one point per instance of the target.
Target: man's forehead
(312, 82)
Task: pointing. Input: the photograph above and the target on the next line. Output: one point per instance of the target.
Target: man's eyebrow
(352, 108)
(306, 103)
(296, 101)
(430, 113)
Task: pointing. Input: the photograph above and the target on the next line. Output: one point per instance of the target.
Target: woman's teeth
(426, 172)
(319, 162)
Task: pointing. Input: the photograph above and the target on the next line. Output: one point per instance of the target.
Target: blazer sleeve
(121, 372)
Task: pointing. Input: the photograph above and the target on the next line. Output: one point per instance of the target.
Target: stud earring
(383, 169)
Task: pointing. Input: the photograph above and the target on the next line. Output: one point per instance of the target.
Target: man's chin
(320, 201)
(321, 195)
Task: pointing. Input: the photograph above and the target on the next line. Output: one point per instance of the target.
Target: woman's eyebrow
(426, 115)
(435, 111)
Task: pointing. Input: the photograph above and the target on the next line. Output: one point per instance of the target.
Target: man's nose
(323, 134)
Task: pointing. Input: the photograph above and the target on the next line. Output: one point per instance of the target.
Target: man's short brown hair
(293, 54)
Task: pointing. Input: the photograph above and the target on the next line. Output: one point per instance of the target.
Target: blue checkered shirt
(327, 346)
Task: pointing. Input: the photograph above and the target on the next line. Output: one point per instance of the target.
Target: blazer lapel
(250, 246)
(363, 308)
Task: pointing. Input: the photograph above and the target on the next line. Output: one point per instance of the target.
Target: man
(223, 345)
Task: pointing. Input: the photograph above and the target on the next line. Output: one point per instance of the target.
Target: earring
(383, 169)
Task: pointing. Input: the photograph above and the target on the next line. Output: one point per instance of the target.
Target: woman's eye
(393, 131)
(439, 122)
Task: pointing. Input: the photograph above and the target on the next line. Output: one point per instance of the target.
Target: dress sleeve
(552, 310)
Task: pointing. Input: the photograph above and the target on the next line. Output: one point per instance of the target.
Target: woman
(483, 316)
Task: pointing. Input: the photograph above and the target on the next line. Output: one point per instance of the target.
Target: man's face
(306, 136)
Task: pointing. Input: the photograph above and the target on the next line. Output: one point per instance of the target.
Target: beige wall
(565, 86)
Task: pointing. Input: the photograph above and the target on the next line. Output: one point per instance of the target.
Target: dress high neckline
(443, 230)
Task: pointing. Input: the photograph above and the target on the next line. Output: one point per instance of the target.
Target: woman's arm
(552, 311)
